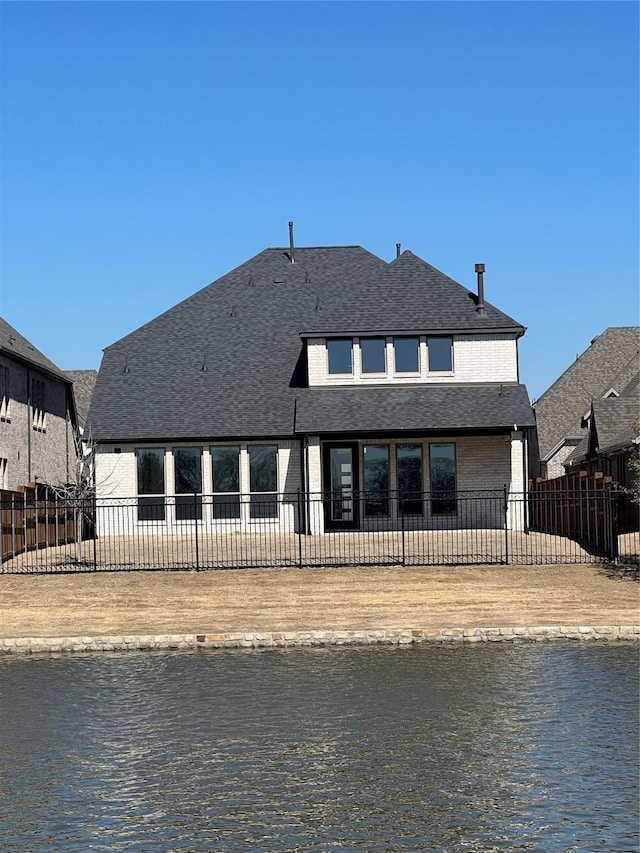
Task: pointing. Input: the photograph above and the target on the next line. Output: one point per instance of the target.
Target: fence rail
(200, 532)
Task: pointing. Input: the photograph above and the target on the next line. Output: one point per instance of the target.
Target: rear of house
(315, 389)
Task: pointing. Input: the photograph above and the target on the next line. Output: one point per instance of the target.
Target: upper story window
(150, 471)
(440, 354)
(340, 353)
(373, 354)
(406, 355)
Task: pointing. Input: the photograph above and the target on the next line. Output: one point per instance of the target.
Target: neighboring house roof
(15, 345)
(84, 381)
(609, 359)
(227, 361)
(436, 408)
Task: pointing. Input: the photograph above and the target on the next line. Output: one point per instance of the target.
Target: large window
(188, 474)
(225, 462)
(442, 469)
(440, 351)
(376, 479)
(373, 352)
(340, 354)
(409, 472)
(150, 469)
(407, 355)
(263, 481)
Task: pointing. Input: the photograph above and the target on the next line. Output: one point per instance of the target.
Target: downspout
(304, 469)
(29, 422)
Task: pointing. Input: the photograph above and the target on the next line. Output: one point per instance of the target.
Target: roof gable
(222, 362)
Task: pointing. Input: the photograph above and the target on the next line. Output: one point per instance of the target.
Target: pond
(490, 748)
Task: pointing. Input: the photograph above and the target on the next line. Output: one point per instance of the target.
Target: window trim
(396, 372)
(342, 374)
(217, 493)
(152, 495)
(446, 371)
(374, 373)
(454, 510)
(267, 518)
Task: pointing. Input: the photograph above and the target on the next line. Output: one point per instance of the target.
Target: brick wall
(45, 455)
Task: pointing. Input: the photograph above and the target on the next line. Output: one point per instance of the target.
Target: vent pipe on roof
(480, 306)
(398, 250)
(292, 257)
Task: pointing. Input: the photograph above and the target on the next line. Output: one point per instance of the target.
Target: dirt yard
(294, 599)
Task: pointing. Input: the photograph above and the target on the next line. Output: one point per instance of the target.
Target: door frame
(330, 523)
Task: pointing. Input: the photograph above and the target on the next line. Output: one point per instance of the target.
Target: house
(84, 381)
(38, 422)
(603, 371)
(612, 435)
(386, 388)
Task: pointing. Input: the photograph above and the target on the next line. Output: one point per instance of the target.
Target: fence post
(13, 524)
(612, 527)
(506, 524)
(404, 556)
(299, 530)
(94, 524)
(195, 520)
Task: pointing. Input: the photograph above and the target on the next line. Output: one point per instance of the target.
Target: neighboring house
(315, 370)
(38, 423)
(612, 428)
(603, 371)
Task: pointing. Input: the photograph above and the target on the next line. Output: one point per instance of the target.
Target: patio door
(340, 462)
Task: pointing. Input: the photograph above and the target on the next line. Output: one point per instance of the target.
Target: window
(263, 481)
(4, 394)
(373, 352)
(340, 352)
(37, 405)
(443, 479)
(4, 464)
(188, 473)
(376, 479)
(225, 462)
(440, 352)
(150, 463)
(409, 469)
(407, 355)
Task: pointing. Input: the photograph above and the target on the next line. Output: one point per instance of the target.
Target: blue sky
(148, 148)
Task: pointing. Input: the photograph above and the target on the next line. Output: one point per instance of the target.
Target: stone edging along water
(281, 639)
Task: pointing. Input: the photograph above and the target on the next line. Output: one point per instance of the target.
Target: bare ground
(294, 599)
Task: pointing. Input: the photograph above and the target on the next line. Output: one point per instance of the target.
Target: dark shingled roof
(222, 363)
(84, 381)
(15, 345)
(613, 421)
(415, 408)
(612, 357)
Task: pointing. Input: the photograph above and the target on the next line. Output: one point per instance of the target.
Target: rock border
(288, 639)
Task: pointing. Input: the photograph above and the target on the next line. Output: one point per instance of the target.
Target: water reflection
(443, 749)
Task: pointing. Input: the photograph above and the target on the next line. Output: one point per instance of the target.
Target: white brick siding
(476, 358)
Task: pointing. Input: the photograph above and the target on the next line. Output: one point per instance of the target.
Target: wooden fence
(590, 508)
(34, 517)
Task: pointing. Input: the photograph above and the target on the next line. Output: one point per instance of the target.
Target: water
(501, 748)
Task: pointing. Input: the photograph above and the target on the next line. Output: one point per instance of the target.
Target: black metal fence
(200, 532)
